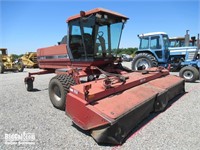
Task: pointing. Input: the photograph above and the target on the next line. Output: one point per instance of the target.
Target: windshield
(177, 42)
(144, 43)
(93, 37)
(108, 38)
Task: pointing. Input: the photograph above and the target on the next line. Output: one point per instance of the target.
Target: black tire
(143, 61)
(1, 68)
(160, 104)
(29, 85)
(189, 73)
(58, 89)
(20, 66)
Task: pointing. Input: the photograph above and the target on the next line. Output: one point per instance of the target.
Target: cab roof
(98, 10)
(152, 34)
(177, 38)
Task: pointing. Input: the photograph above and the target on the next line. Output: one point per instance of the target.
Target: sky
(26, 25)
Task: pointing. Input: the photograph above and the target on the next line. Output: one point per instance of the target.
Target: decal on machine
(53, 57)
(73, 91)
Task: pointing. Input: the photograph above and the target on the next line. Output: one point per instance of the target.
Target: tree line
(15, 56)
(129, 51)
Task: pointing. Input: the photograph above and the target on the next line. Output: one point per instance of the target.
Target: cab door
(157, 48)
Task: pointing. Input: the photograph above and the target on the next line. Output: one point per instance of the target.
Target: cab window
(155, 42)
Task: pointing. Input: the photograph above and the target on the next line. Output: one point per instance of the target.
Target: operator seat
(88, 43)
(76, 46)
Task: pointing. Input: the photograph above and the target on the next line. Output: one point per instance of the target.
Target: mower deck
(112, 113)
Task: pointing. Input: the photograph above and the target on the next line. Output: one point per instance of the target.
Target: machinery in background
(154, 51)
(126, 57)
(7, 63)
(182, 41)
(29, 60)
(183, 49)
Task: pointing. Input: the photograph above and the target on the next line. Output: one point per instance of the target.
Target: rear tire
(58, 89)
(1, 68)
(189, 73)
(143, 61)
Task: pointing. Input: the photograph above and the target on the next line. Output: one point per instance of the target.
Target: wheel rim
(142, 64)
(56, 93)
(188, 75)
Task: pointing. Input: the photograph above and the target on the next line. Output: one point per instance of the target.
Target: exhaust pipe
(187, 38)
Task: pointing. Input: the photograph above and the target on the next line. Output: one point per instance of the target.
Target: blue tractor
(154, 51)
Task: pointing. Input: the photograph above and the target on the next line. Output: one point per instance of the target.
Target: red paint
(53, 63)
(83, 115)
(97, 10)
(104, 106)
(190, 91)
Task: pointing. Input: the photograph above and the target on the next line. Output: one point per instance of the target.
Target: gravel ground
(32, 112)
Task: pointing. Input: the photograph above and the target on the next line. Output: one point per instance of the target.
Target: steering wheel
(100, 33)
(101, 40)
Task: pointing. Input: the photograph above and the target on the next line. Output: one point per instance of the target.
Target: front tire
(189, 73)
(143, 61)
(58, 89)
(20, 66)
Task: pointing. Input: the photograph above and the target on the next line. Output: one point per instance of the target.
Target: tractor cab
(3, 54)
(155, 43)
(153, 51)
(3, 51)
(94, 36)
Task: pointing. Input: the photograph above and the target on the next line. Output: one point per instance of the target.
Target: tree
(15, 56)
(129, 51)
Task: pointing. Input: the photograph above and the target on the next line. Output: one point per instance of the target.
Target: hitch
(30, 79)
(29, 82)
(112, 78)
